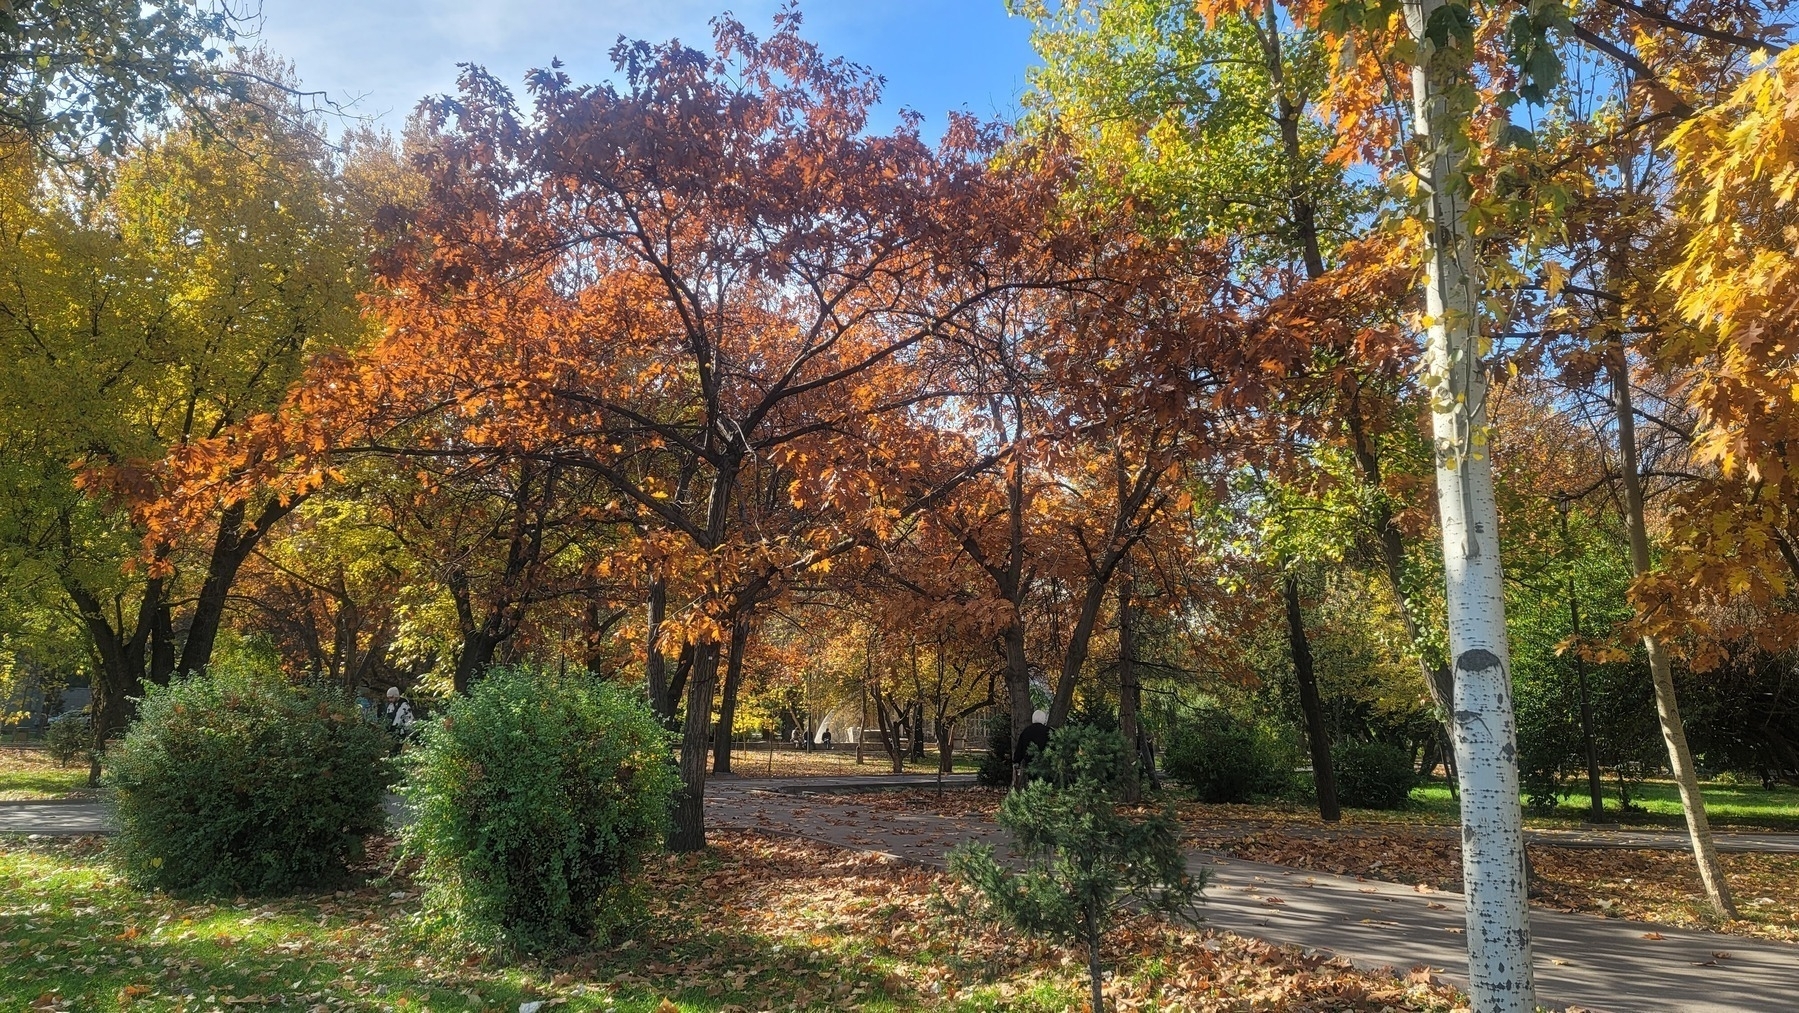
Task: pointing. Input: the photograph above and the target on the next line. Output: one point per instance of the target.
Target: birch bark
(1483, 733)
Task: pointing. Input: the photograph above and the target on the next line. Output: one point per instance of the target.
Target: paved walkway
(1605, 965)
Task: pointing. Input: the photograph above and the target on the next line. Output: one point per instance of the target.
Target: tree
(96, 71)
(1084, 862)
(709, 289)
(1482, 724)
(164, 312)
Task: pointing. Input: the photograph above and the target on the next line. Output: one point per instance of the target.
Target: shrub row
(532, 802)
(1223, 757)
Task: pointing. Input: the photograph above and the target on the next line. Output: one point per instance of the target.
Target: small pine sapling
(1081, 860)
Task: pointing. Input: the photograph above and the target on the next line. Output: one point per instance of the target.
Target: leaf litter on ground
(754, 923)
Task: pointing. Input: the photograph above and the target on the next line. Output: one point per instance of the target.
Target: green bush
(1225, 758)
(1373, 775)
(536, 800)
(995, 770)
(241, 783)
(68, 736)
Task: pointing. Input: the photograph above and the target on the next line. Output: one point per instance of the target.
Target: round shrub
(68, 736)
(1226, 758)
(1373, 775)
(536, 800)
(239, 782)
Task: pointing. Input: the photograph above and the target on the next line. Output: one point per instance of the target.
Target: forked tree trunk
(1484, 735)
(1324, 775)
(1661, 674)
(237, 538)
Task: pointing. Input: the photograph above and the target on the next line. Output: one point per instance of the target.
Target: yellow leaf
(1556, 278)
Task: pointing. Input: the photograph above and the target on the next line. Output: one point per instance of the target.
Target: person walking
(1032, 741)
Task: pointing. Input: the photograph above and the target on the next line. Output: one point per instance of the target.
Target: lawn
(1728, 805)
(29, 773)
(753, 924)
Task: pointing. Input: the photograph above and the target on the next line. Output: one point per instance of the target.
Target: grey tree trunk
(1661, 673)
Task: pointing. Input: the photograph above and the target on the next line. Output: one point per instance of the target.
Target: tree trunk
(1493, 871)
(1095, 974)
(690, 813)
(1595, 789)
(727, 707)
(1018, 686)
(946, 740)
(477, 654)
(162, 645)
(1078, 642)
(120, 653)
(917, 736)
(1661, 674)
(233, 544)
(1127, 686)
(656, 669)
(1323, 773)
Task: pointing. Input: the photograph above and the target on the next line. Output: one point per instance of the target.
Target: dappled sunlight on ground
(752, 924)
(29, 773)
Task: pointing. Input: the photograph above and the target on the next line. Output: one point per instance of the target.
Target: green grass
(71, 929)
(753, 924)
(1737, 806)
(29, 773)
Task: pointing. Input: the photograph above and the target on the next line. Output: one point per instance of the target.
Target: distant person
(397, 716)
(826, 738)
(1031, 743)
(799, 738)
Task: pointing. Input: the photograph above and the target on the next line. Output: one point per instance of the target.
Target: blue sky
(387, 54)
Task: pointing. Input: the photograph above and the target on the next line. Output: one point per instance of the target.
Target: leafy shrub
(68, 736)
(1373, 775)
(995, 770)
(1225, 758)
(536, 800)
(238, 782)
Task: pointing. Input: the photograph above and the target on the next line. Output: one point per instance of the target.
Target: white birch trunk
(1494, 877)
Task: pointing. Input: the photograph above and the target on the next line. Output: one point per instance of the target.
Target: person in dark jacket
(1033, 740)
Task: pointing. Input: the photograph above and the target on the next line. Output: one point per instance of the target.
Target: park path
(1599, 964)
